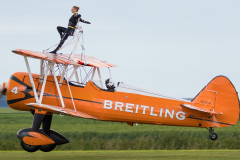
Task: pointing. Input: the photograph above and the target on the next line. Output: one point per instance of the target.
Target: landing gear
(44, 139)
(47, 148)
(212, 135)
(29, 148)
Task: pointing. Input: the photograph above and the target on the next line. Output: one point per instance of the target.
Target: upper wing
(200, 109)
(91, 61)
(59, 110)
(46, 56)
(64, 58)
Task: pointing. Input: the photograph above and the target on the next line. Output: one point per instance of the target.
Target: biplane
(55, 91)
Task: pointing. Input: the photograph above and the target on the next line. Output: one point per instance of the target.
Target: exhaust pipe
(3, 88)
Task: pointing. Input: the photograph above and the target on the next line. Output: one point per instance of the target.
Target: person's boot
(65, 36)
(54, 51)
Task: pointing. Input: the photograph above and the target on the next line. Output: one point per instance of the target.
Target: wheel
(213, 136)
(29, 148)
(47, 148)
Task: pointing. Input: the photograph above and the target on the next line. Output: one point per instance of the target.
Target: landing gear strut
(212, 135)
(46, 125)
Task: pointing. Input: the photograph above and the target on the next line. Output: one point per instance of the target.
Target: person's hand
(87, 22)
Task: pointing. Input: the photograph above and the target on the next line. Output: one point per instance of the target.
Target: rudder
(219, 95)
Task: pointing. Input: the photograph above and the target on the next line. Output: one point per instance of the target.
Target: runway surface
(125, 155)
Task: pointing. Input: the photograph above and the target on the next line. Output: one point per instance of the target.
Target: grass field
(85, 134)
(125, 155)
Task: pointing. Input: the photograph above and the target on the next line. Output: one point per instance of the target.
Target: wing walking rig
(48, 64)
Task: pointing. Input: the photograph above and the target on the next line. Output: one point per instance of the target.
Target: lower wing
(59, 110)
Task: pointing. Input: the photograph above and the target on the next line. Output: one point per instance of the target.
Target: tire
(29, 148)
(47, 148)
(213, 136)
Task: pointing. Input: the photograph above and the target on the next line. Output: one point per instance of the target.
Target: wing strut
(44, 82)
(71, 95)
(94, 69)
(41, 72)
(63, 73)
(57, 85)
(74, 71)
(99, 75)
(31, 79)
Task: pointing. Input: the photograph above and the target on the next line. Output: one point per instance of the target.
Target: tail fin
(220, 96)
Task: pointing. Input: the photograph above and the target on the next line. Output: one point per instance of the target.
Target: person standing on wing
(65, 32)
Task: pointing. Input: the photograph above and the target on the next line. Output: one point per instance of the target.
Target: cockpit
(109, 85)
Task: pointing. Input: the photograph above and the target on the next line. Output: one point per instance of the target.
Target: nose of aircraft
(3, 88)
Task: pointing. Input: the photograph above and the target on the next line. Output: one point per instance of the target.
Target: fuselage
(105, 105)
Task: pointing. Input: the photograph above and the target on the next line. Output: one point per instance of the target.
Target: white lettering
(151, 113)
(167, 112)
(129, 107)
(181, 117)
(137, 108)
(160, 115)
(118, 105)
(107, 104)
(144, 108)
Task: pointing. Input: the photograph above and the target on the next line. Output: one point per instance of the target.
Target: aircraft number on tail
(15, 90)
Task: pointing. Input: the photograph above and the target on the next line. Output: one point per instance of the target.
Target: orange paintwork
(107, 106)
(40, 112)
(37, 139)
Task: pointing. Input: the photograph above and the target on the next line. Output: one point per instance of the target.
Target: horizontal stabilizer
(59, 110)
(199, 109)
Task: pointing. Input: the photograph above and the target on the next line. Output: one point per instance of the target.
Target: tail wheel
(213, 136)
(47, 148)
(29, 148)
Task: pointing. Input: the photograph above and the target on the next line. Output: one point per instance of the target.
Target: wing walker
(66, 85)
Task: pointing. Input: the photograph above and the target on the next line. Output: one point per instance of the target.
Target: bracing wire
(69, 41)
(83, 49)
(76, 42)
(87, 75)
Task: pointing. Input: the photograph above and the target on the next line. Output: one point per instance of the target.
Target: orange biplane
(53, 91)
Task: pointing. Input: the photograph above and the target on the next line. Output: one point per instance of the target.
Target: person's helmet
(109, 83)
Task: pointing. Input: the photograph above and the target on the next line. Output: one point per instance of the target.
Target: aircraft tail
(221, 98)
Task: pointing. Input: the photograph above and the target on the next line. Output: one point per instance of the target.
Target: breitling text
(133, 108)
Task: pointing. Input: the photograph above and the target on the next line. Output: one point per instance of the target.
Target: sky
(173, 47)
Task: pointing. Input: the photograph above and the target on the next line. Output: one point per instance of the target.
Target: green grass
(126, 155)
(4, 110)
(85, 134)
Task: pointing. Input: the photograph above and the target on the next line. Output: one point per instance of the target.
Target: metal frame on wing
(48, 61)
